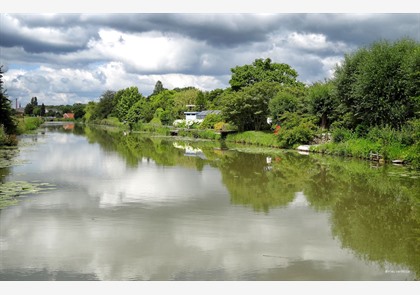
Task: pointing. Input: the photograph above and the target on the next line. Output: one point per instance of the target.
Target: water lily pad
(10, 191)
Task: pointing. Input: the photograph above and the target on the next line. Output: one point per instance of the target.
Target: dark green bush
(341, 135)
(296, 129)
(210, 120)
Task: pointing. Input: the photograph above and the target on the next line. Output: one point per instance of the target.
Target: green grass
(259, 138)
(361, 148)
(197, 133)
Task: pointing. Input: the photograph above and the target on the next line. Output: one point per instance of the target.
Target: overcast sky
(68, 58)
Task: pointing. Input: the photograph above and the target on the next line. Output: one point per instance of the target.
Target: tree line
(375, 86)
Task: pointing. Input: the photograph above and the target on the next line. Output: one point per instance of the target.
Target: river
(140, 207)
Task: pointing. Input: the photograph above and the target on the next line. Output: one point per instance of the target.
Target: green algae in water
(11, 191)
(8, 157)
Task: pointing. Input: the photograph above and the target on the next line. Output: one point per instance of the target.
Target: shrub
(296, 129)
(341, 135)
(210, 120)
(7, 139)
(301, 134)
(224, 126)
(28, 124)
(156, 121)
(3, 136)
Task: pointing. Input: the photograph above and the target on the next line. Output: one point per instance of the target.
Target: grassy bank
(28, 124)
(184, 132)
(24, 125)
(111, 121)
(389, 144)
(259, 138)
(386, 142)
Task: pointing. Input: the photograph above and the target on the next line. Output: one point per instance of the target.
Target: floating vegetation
(10, 191)
(8, 157)
(414, 174)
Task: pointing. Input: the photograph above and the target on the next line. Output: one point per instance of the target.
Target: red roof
(68, 116)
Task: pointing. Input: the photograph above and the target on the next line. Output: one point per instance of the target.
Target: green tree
(141, 111)
(166, 101)
(288, 99)
(248, 108)
(213, 99)
(29, 109)
(321, 102)
(105, 105)
(78, 110)
(380, 85)
(125, 100)
(200, 101)
(6, 117)
(66, 109)
(183, 98)
(34, 101)
(42, 113)
(37, 111)
(262, 70)
(158, 88)
(90, 111)
(51, 113)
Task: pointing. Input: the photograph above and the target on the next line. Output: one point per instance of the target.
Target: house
(199, 115)
(68, 116)
(190, 116)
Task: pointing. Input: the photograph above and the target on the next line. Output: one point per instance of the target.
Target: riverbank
(382, 145)
(24, 125)
(28, 124)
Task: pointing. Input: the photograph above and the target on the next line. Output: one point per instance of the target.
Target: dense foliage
(380, 85)
(6, 119)
(7, 122)
(262, 71)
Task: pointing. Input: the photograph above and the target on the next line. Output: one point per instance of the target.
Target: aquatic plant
(11, 190)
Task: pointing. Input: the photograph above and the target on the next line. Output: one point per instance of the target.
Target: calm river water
(136, 207)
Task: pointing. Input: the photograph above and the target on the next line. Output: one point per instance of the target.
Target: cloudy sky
(66, 57)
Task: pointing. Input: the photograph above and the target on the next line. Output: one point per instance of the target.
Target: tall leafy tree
(105, 105)
(125, 100)
(6, 117)
(213, 98)
(141, 111)
(34, 101)
(42, 112)
(78, 110)
(287, 99)
(248, 108)
(321, 102)
(380, 85)
(158, 88)
(262, 70)
(200, 101)
(184, 97)
(90, 111)
(29, 109)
